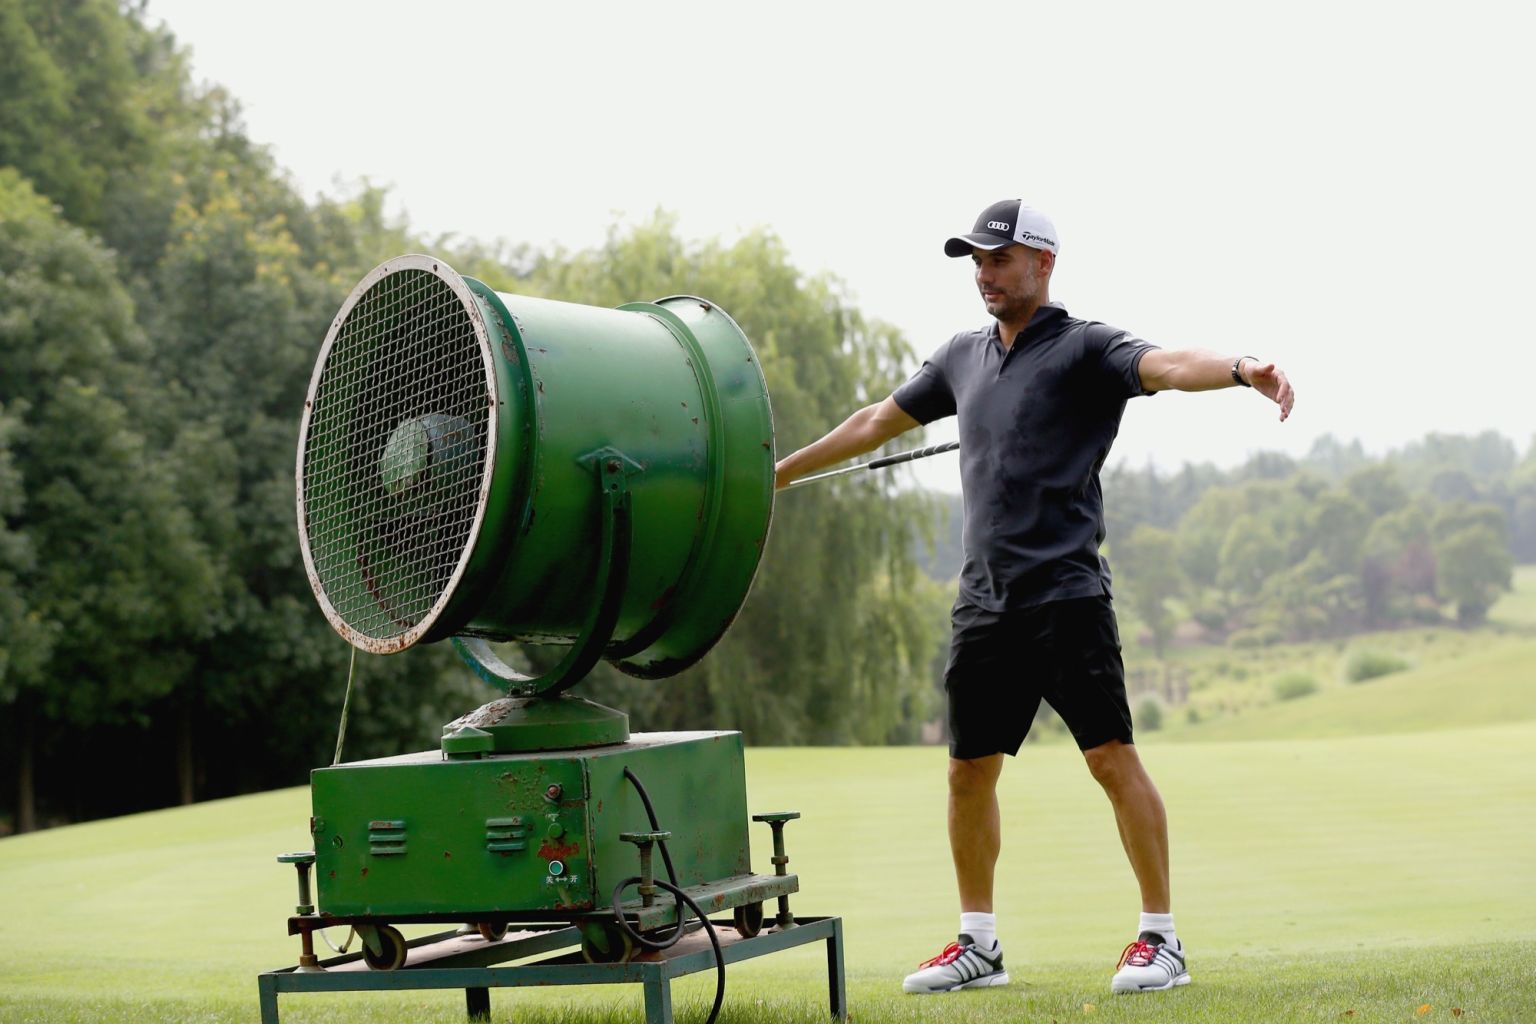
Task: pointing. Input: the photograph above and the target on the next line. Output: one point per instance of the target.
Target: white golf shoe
(1150, 965)
(961, 964)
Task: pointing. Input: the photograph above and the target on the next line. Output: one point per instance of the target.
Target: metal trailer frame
(453, 960)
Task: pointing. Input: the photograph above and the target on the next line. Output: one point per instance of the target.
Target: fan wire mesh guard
(393, 457)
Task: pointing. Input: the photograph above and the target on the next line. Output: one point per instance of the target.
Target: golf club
(880, 463)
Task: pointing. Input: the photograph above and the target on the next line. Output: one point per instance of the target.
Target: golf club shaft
(880, 463)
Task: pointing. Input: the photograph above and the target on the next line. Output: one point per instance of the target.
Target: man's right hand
(864, 431)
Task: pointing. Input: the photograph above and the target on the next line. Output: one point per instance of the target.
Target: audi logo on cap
(997, 225)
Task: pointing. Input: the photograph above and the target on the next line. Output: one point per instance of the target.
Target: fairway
(1380, 851)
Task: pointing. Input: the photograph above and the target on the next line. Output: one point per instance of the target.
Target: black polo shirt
(1036, 424)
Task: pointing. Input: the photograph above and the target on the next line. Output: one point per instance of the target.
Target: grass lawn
(1377, 874)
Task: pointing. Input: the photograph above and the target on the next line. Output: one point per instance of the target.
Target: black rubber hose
(683, 899)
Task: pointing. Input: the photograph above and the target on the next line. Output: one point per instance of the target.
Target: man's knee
(1113, 764)
(974, 777)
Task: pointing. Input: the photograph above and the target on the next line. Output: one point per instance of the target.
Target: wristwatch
(1237, 378)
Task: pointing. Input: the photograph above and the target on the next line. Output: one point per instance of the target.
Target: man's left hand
(1271, 382)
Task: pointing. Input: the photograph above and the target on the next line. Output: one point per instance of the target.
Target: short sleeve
(926, 396)
(1119, 357)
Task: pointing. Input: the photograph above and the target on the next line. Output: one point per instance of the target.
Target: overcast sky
(1346, 189)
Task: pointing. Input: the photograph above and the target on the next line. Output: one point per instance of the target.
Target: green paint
(529, 834)
(671, 389)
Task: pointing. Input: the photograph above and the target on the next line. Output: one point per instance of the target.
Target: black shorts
(1002, 664)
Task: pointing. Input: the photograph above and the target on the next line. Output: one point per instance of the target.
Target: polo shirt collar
(1045, 314)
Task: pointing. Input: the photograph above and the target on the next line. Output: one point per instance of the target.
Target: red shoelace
(1137, 954)
(948, 955)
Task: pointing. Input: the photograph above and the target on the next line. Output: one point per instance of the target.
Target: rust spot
(509, 350)
(556, 850)
(447, 855)
(766, 444)
(333, 874)
(541, 387)
(365, 872)
(695, 420)
(666, 595)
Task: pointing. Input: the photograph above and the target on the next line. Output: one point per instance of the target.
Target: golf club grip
(916, 453)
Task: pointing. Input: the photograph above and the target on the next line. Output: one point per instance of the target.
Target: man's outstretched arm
(864, 431)
(1195, 370)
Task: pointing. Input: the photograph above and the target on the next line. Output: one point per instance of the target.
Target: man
(1039, 396)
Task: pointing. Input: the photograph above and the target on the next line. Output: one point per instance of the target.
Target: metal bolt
(613, 465)
(308, 962)
(553, 793)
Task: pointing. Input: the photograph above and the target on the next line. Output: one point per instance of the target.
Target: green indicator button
(556, 867)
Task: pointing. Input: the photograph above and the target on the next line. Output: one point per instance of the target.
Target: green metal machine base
(452, 961)
(473, 835)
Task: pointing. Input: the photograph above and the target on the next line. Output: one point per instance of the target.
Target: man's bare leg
(975, 828)
(1139, 815)
(975, 837)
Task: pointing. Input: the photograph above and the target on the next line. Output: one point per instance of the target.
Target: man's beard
(1007, 307)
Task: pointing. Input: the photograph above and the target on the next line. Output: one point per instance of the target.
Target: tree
(107, 563)
(1148, 565)
(1473, 566)
(1378, 487)
(1251, 553)
(1397, 566)
(1334, 527)
(1334, 459)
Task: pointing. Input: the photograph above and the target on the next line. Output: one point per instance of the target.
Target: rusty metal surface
(465, 967)
(714, 897)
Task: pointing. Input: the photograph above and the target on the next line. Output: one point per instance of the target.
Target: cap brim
(964, 245)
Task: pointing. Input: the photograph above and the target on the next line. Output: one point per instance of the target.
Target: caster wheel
(606, 944)
(492, 932)
(748, 919)
(392, 954)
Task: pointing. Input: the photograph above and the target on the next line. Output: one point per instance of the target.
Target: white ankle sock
(982, 928)
(1162, 924)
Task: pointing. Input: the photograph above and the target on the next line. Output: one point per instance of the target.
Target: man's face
(1012, 279)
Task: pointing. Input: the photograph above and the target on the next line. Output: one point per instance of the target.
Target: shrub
(1294, 684)
(1149, 714)
(1255, 636)
(1369, 664)
(1192, 716)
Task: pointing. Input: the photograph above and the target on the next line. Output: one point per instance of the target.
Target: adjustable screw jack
(645, 840)
(308, 962)
(776, 821)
